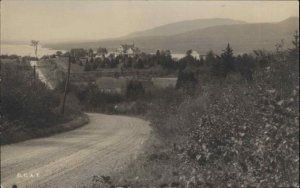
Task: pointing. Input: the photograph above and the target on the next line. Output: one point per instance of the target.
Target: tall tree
(157, 53)
(187, 80)
(35, 44)
(91, 52)
(245, 64)
(78, 52)
(294, 52)
(102, 51)
(189, 52)
(58, 53)
(227, 60)
(224, 64)
(210, 58)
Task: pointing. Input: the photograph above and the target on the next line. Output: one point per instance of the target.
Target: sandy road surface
(71, 159)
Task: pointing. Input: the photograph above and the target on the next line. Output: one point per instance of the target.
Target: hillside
(243, 38)
(184, 26)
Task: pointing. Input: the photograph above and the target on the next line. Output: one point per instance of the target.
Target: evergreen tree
(157, 53)
(245, 66)
(210, 58)
(228, 59)
(294, 52)
(224, 64)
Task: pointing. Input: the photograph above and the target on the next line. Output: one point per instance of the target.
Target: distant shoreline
(25, 50)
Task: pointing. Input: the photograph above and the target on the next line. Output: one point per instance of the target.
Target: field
(164, 82)
(108, 79)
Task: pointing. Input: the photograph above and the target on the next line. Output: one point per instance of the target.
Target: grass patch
(13, 133)
(160, 165)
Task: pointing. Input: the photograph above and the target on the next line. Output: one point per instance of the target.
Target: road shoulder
(19, 134)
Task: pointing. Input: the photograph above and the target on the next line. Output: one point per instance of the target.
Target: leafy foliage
(238, 134)
(250, 135)
(187, 81)
(134, 90)
(224, 64)
(78, 52)
(294, 52)
(27, 100)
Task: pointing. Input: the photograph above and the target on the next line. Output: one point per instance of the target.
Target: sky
(55, 21)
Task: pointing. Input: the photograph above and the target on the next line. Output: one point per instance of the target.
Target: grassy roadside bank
(14, 134)
(158, 166)
(29, 108)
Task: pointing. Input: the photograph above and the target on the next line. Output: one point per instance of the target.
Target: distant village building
(203, 57)
(192, 53)
(99, 56)
(195, 54)
(112, 85)
(128, 49)
(107, 55)
(83, 59)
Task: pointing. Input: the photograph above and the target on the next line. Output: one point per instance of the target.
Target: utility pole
(34, 72)
(66, 86)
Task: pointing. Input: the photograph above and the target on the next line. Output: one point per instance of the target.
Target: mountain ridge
(184, 26)
(243, 37)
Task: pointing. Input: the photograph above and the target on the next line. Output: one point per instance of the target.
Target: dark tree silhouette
(224, 64)
(294, 52)
(134, 90)
(35, 45)
(187, 81)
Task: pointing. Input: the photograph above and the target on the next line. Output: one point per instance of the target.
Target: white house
(195, 55)
(203, 57)
(128, 49)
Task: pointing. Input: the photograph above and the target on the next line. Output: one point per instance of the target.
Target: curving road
(71, 159)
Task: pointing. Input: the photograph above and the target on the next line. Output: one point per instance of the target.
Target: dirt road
(71, 159)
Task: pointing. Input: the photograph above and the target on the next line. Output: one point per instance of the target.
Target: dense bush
(237, 133)
(187, 80)
(92, 98)
(164, 102)
(134, 90)
(240, 128)
(97, 98)
(26, 100)
(250, 136)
